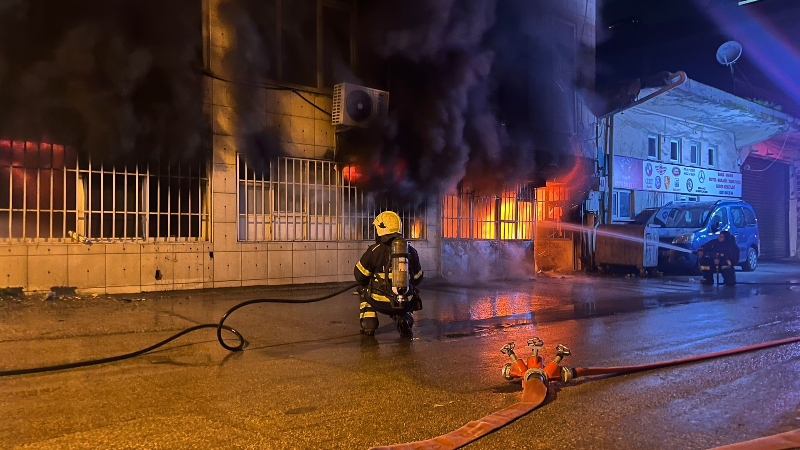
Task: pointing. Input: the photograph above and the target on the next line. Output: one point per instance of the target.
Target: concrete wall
(223, 261)
(481, 259)
(632, 128)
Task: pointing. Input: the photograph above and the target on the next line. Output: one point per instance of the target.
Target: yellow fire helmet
(387, 222)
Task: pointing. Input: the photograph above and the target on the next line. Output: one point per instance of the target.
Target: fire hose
(536, 374)
(220, 326)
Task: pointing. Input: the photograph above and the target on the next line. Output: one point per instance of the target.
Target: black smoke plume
(121, 80)
(479, 89)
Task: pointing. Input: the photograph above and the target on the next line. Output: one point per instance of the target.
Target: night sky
(640, 38)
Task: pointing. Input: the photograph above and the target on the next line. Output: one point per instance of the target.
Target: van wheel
(752, 260)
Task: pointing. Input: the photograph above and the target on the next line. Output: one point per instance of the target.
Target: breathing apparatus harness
(395, 281)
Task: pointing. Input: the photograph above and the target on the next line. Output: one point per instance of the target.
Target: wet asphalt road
(308, 380)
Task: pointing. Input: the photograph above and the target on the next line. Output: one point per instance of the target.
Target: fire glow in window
(47, 192)
(470, 215)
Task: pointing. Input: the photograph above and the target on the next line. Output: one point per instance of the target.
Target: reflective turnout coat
(373, 269)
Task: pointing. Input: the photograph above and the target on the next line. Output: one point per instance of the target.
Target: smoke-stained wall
(195, 80)
(119, 80)
(254, 115)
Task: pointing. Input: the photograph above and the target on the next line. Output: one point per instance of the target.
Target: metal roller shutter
(766, 186)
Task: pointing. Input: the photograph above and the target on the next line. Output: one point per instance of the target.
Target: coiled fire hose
(220, 326)
(535, 391)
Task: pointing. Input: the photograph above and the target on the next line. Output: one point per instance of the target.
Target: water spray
(592, 230)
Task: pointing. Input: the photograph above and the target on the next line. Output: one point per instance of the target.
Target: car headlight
(684, 239)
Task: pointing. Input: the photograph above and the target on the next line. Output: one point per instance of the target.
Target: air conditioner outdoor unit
(358, 106)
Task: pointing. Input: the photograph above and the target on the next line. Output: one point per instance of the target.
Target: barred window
(48, 193)
(295, 199)
(470, 214)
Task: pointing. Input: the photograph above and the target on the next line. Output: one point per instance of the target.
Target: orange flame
(416, 229)
(514, 220)
(352, 174)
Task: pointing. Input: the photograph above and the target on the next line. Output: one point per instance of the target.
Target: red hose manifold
(536, 367)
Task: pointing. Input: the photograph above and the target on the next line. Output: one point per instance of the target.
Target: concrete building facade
(216, 251)
(222, 223)
(669, 144)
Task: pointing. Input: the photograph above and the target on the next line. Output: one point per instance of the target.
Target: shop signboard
(637, 174)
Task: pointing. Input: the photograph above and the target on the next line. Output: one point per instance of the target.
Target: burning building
(192, 145)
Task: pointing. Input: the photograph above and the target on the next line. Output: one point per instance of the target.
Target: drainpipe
(610, 169)
(681, 78)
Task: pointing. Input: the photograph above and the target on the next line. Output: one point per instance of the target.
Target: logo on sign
(658, 182)
(677, 183)
(689, 185)
(702, 177)
(666, 182)
(626, 166)
(661, 169)
(648, 169)
(676, 171)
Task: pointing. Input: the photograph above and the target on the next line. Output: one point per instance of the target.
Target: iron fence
(49, 193)
(468, 214)
(297, 199)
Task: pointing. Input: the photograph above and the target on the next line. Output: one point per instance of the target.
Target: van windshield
(685, 216)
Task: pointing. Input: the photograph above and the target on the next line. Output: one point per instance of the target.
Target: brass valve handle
(508, 349)
(561, 352)
(535, 342)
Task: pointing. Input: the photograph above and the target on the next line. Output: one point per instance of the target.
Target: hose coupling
(567, 374)
(535, 373)
(507, 372)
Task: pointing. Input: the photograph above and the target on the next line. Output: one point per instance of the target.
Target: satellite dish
(728, 53)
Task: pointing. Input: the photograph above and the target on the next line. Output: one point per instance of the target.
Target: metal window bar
(296, 199)
(552, 203)
(470, 215)
(47, 191)
(34, 191)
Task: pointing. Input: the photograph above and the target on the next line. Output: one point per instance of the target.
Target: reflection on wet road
(308, 380)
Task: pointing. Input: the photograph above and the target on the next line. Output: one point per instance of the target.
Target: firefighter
(719, 255)
(374, 272)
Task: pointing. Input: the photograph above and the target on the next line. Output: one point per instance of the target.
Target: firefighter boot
(369, 319)
(404, 322)
(368, 325)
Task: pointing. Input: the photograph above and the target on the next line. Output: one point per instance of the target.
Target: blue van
(692, 224)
